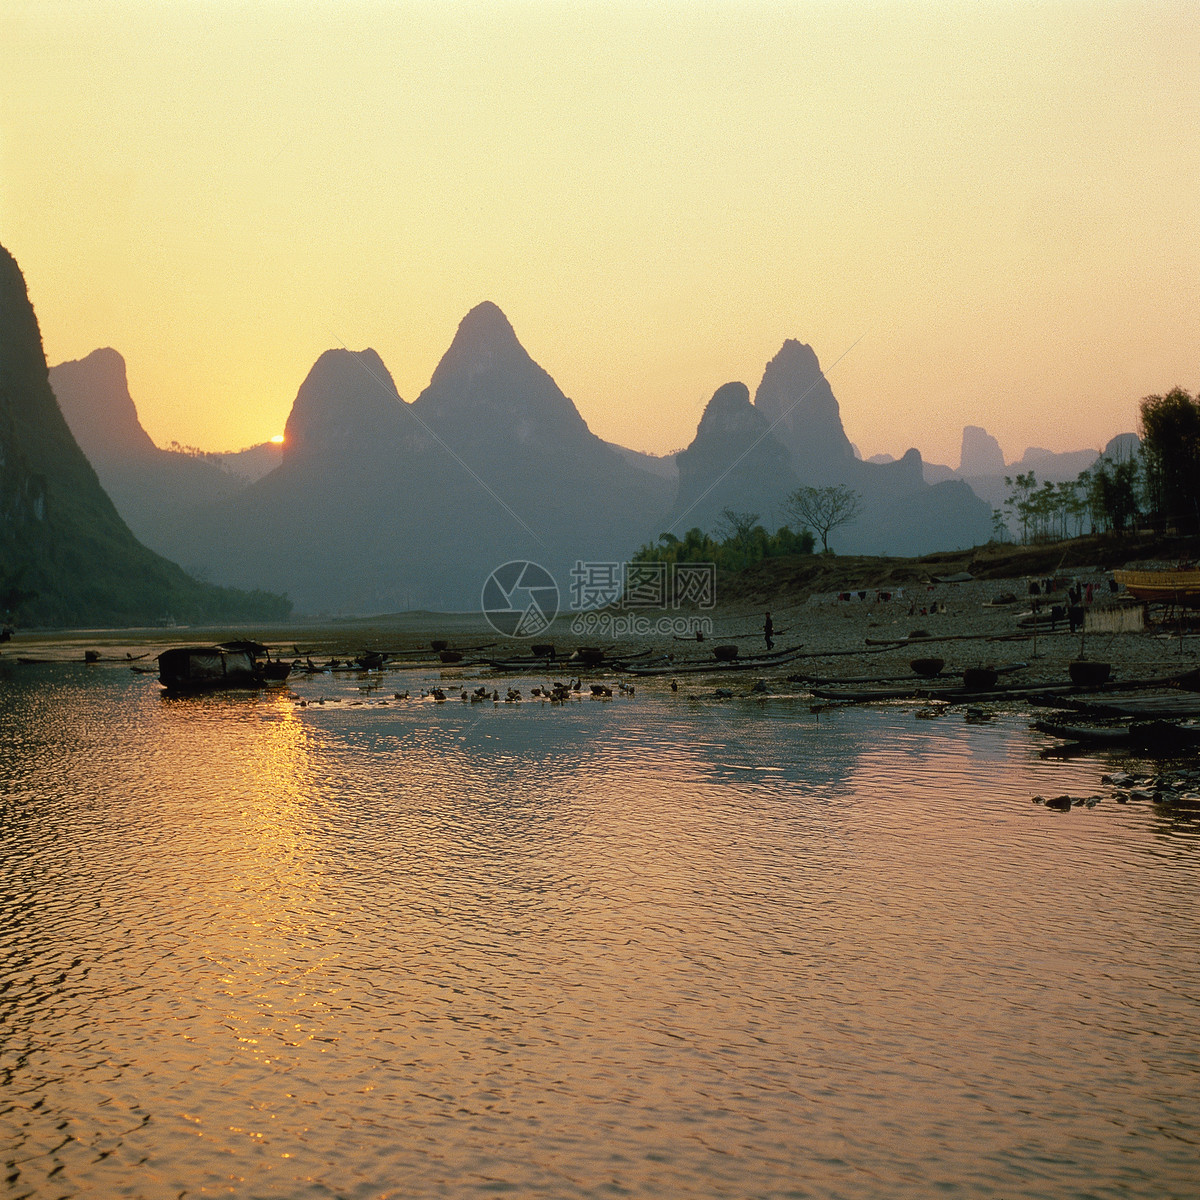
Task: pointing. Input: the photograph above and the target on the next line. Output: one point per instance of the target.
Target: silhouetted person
(769, 632)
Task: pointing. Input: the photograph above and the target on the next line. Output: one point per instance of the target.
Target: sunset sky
(995, 204)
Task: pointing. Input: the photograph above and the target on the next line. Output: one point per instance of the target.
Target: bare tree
(735, 526)
(823, 509)
(736, 529)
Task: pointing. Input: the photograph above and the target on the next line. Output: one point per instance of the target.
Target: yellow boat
(1162, 587)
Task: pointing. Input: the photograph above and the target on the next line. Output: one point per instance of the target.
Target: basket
(928, 667)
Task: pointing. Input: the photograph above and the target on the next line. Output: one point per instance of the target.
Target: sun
(277, 439)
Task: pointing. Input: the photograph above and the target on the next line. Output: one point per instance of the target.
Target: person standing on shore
(769, 632)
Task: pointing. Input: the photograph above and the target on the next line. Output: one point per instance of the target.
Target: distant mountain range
(378, 504)
(66, 556)
(982, 466)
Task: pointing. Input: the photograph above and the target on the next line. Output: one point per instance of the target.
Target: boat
(1179, 586)
(1139, 735)
(697, 666)
(525, 662)
(206, 669)
(216, 668)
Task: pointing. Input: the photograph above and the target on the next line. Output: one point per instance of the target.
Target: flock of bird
(556, 693)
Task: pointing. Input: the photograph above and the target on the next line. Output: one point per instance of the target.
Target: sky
(975, 212)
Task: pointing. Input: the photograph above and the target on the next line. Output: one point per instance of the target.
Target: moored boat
(1180, 586)
(240, 664)
(207, 669)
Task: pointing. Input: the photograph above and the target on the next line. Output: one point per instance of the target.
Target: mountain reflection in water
(647, 946)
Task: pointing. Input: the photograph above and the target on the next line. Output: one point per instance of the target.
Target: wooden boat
(975, 679)
(1181, 587)
(957, 693)
(1148, 734)
(527, 662)
(694, 666)
(207, 669)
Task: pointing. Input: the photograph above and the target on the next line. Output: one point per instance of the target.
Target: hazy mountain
(983, 468)
(734, 461)
(1057, 466)
(379, 504)
(798, 403)
(901, 514)
(157, 492)
(346, 408)
(980, 454)
(748, 457)
(66, 557)
(1123, 446)
(251, 463)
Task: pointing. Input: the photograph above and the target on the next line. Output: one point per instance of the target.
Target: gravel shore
(965, 626)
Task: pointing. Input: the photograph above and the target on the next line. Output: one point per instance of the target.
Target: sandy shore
(965, 627)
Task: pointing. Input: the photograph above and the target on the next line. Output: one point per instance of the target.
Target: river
(322, 942)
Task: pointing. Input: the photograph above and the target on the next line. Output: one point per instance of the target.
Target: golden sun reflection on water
(346, 949)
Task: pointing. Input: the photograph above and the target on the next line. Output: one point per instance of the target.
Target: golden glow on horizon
(997, 198)
(278, 439)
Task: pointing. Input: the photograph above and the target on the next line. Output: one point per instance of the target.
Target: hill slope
(66, 557)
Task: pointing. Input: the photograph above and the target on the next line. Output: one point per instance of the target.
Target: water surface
(652, 946)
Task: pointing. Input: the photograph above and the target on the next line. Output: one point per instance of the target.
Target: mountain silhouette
(66, 556)
(800, 407)
(380, 505)
(749, 458)
(347, 407)
(157, 492)
(734, 461)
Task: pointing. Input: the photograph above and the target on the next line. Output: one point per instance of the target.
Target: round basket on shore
(590, 656)
(928, 667)
(1189, 681)
(542, 649)
(439, 644)
(450, 656)
(980, 679)
(725, 653)
(1087, 673)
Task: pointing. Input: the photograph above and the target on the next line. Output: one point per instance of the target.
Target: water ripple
(652, 946)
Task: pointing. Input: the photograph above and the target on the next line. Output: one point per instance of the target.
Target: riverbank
(840, 635)
(849, 617)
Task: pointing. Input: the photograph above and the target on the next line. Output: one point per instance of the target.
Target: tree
(999, 526)
(1019, 503)
(1171, 449)
(823, 509)
(1110, 486)
(737, 531)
